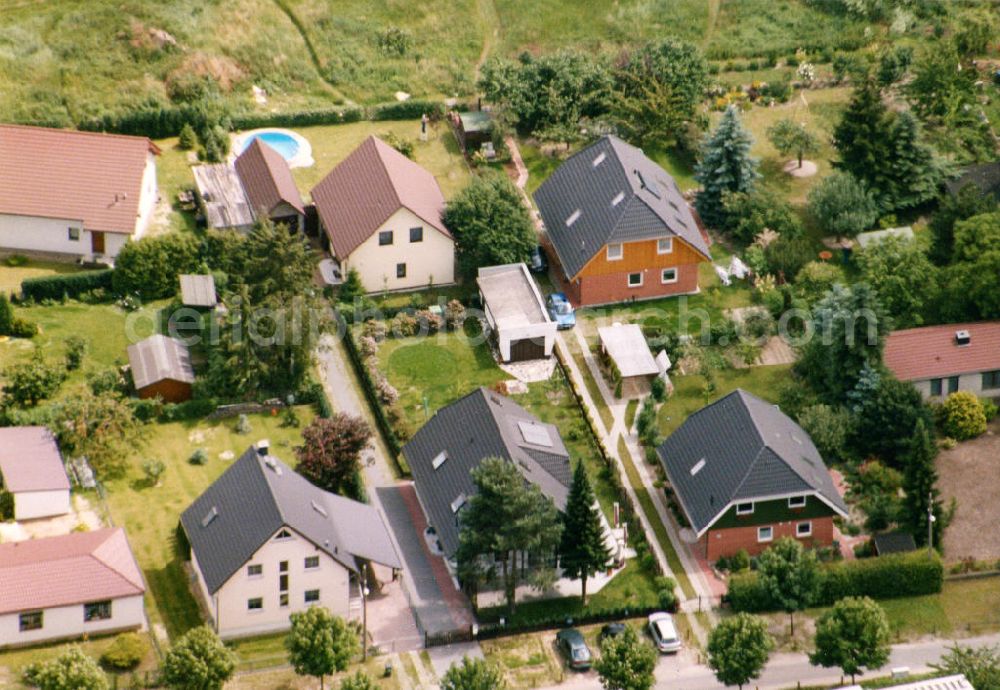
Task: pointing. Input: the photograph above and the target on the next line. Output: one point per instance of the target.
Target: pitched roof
(223, 196)
(30, 460)
(267, 179)
(259, 495)
(627, 348)
(159, 358)
(607, 193)
(198, 290)
(481, 425)
(985, 177)
(87, 177)
(367, 187)
(894, 542)
(931, 352)
(742, 448)
(71, 569)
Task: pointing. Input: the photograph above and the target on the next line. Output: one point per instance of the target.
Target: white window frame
(797, 502)
(670, 245)
(628, 279)
(306, 566)
(740, 511)
(760, 534)
(258, 609)
(254, 576)
(664, 279)
(306, 593)
(74, 233)
(616, 256)
(798, 529)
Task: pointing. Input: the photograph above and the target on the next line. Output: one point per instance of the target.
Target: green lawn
(13, 661)
(107, 329)
(151, 514)
(688, 397)
(11, 277)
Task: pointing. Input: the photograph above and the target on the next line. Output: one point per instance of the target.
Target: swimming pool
(292, 147)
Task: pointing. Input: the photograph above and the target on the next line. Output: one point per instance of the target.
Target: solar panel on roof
(535, 434)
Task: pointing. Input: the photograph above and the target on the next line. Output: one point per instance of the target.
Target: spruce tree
(919, 483)
(582, 549)
(862, 137)
(726, 166)
(914, 170)
(6, 315)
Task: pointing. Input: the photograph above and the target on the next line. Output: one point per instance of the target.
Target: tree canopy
(725, 166)
(473, 674)
(71, 670)
(920, 485)
(626, 662)
(198, 661)
(330, 454)
(319, 643)
(738, 649)
(582, 551)
(790, 137)
(842, 206)
(853, 635)
(790, 573)
(902, 276)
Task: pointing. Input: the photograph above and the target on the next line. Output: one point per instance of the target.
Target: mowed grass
(151, 514)
(11, 277)
(688, 396)
(14, 661)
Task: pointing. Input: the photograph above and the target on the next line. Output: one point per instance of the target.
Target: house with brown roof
(31, 468)
(79, 195)
(84, 583)
(940, 360)
(161, 367)
(258, 184)
(381, 215)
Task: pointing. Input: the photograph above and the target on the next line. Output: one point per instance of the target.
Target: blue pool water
(283, 143)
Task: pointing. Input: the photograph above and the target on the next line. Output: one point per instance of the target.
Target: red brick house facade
(618, 228)
(746, 475)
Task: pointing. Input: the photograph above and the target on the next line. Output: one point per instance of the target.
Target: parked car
(538, 263)
(664, 632)
(611, 630)
(561, 311)
(572, 646)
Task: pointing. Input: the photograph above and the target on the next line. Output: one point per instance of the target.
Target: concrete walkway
(435, 603)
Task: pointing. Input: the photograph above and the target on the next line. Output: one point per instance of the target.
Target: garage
(527, 348)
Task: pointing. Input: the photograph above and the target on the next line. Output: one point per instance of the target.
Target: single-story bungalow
(198, 291)
(940, 360)
(84, 583)
(258, 184)
(266, 543)
(516, 313)
(745, 475)
(161, 367)
(31, 468)
(624, 350)
(79, 195)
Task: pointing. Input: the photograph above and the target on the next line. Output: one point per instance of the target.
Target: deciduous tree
(853, 635)
(101, 427)
(790, 137)
(790, 573)
(967, 203)
(626, 662)
(842, 206)
(980, 665)
(904, 278)
(319, 643)
(330, 454)
(29, 383)
(473, 674)
(582, 551)
(738, 649)
(198, 661)
(71, 670)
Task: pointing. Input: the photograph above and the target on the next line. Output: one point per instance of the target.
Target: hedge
(148, 409)
(65, 284)
(525, 623)
(412, 109)
(885, 577)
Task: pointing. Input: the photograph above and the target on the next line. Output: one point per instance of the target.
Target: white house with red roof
(31, 468)
(83, 583)
(940, 360)
(381, 214)
(74, 194)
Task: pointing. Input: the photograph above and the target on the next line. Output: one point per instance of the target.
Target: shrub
(150, 266)
(243, 425)
(65, 285)
(454, 314)
(374, 329)
(990, 409)
(658, 389)
(667, 599)
(6, 505)
(962, 416)
(125, 653)
(153, 469)
(76, 347)
(198, 457)
(412, 109)
(15, 260)
(187, 139)
(404, 325)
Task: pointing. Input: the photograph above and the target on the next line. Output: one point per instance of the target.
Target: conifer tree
(582, 550)
(726, 166)
(920, 483)
(914, 170)
(862, 137)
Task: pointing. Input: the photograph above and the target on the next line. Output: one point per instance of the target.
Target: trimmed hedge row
(406, 110)
(65, 284)
(529, 624)
(885, 577)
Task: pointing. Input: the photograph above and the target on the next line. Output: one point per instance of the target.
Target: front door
(97, 242)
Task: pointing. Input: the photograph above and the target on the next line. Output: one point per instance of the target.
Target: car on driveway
(664, 632)
(561, 311)
(538, 263)
(611, 630)
(572, 646)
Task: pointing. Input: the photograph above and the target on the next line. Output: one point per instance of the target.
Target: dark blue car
(561, 311)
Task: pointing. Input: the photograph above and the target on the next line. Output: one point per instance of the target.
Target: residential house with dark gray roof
(265, 543)
(619, 227)
(745, 475)
(483, 424)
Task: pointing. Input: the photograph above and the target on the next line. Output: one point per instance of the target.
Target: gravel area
(969, 472)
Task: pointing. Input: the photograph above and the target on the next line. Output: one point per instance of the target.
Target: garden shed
(474, 129)
(624, 351)
(198, 291)
(161, 367)
(516, 313)
(31, 469)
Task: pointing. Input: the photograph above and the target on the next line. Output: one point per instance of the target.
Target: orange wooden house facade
(618, 228)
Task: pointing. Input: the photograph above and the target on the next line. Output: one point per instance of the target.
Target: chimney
(962, 337)
(263, 447)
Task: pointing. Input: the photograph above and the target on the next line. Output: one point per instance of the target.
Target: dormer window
(440, 459)
(573, 217)
(457, 504)
(797, 502)
(744, 508)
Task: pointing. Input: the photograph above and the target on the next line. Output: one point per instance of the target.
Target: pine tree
(919, 483)
(725, 166)
(862, 137)
(914, 171)
(582, 549)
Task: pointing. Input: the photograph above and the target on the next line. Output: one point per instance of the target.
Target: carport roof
(627, 348)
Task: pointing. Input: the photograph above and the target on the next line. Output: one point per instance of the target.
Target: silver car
(664, 632)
